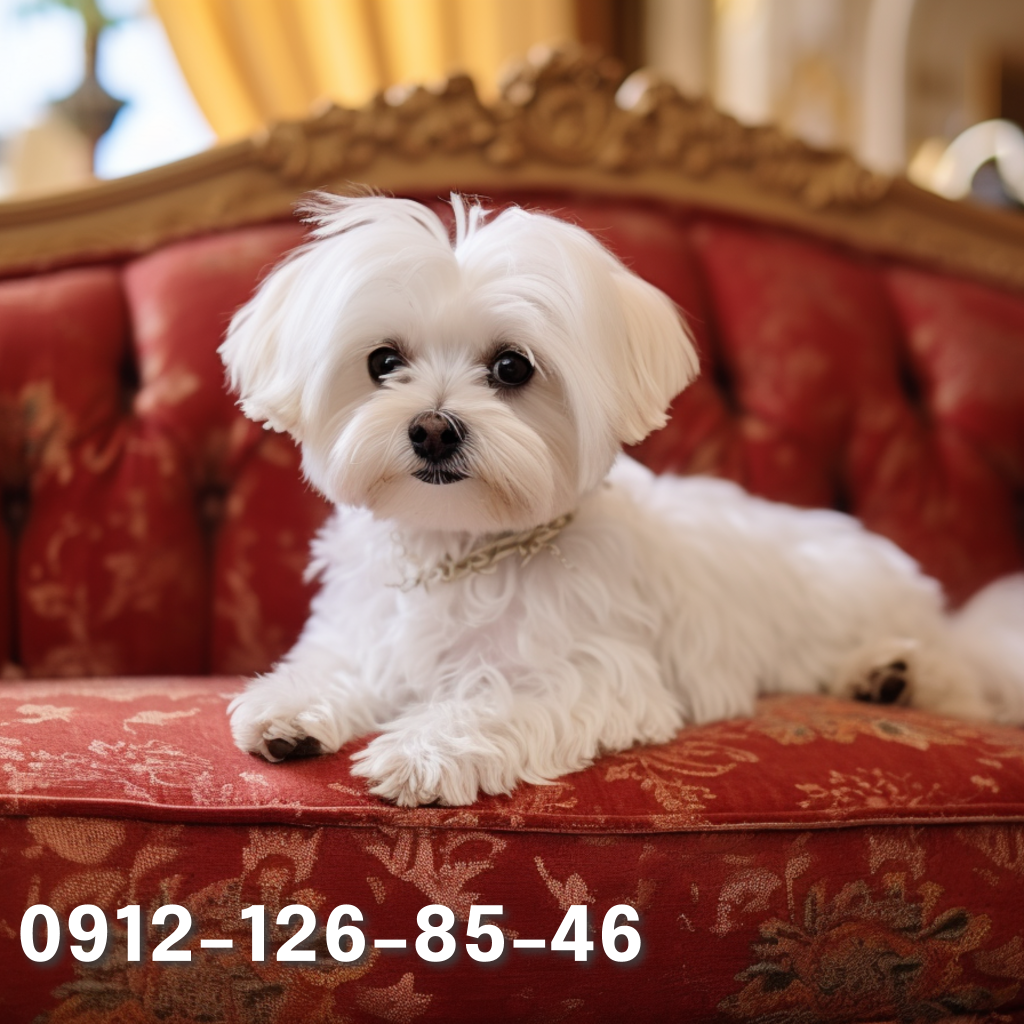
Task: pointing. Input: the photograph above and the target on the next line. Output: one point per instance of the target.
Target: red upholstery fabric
(837, 394)
(811, 927)
(823, 861)
(164, 533)
(161, 750)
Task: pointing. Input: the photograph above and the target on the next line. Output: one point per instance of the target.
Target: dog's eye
(383, 361)
(511, 369)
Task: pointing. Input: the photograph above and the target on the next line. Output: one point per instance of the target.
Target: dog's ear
(658, 361)
(278, 347)
(262, 367)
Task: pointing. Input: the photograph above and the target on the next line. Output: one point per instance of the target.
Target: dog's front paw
(278, 727)
(273, 737)
(410, 768)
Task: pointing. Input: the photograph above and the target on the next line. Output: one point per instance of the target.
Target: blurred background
(101, 88)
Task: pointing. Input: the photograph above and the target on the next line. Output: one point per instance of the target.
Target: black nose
(435, 437)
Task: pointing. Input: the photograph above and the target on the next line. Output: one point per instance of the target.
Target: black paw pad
(280, 748)
(890, 689)
(307, 747)
(283, 749)
(886, 684)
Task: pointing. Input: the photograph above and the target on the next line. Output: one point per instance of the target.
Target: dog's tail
(989, 631)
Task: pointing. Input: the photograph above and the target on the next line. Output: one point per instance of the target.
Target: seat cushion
(822, 860)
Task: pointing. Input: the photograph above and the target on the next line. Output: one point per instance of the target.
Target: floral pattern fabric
(803, 926)
(821, 861)
(158, 749)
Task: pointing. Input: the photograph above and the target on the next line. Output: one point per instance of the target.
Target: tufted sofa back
(149, 528)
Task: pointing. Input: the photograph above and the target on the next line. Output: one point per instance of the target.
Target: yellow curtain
(249, 62)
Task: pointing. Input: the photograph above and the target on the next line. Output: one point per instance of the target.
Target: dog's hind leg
(913, 673)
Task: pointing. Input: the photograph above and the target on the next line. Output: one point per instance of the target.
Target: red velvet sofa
(863, 348)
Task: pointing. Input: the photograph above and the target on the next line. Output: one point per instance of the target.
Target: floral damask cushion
(821, 861)
(160, 750)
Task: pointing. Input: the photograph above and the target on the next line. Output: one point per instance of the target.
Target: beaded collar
(484, 559)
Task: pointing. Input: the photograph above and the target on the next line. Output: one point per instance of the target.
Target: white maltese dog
(504, 595)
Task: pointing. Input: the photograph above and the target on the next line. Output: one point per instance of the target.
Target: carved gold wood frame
(565, 120)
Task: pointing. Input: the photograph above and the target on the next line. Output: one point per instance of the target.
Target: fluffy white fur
(668, 601)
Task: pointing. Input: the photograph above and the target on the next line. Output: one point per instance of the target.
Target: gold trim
(565, 120)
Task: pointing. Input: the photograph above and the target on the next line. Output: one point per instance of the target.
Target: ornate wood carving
(569, 108)
(411, 123)
(565, 120)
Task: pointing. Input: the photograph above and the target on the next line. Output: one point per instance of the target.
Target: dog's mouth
(436, 473)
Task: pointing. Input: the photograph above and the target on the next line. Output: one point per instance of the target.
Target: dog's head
(481, 386)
